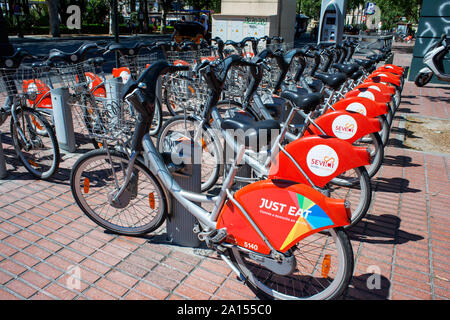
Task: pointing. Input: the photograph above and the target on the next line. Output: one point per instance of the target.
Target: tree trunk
(53, 17)
(145, 16)
(6, 49)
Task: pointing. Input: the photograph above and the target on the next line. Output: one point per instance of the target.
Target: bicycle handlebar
(14, 61)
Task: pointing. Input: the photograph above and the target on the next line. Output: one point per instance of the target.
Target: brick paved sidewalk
(405, 236)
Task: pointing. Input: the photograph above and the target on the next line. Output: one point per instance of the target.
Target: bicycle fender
(122, 72)
(362, 105)
(285, 212)
(390, 70)
(43, 98)
(95, 85)
(370, 93)
(385, 74)
(345, 125)
(383, 79)
(378, 86)
(394, 67)
(321, 158)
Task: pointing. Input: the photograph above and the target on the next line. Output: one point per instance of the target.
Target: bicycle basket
(104, 119)
(75, 75)
(270, 77)
(185, 92)
(26, 81)
(237, 82)
(138, 63)
(191, 57)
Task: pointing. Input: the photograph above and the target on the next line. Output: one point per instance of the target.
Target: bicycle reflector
(37, 125)
(86, 184)
(348, 210)
(34, 164)
(151, 200)
(326, 263)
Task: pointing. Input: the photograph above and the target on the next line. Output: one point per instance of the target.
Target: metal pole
(3, 171)
(115, 19)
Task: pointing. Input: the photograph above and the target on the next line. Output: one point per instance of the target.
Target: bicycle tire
(157, 120)
(139, 222)
(385, 130)
(208, 179)
(165, 100)
(87, 118)
(266, 290)
(377, 154)
(33, 163)
(360, 208)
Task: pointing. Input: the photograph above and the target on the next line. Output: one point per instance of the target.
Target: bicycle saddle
(307, 102)
(126, 50)
(347, 69)
(14, 61)
(357, 75)
(74, 57)
(252, 131)
(235, 44)
(376, 57)
(333, 81)
(364, 63)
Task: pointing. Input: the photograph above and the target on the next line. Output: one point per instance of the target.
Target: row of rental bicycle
(286, 139)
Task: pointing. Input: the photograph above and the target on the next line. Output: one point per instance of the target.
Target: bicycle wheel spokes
(35, 143)
(210, 156)
(321, 269)
(353, 186)
(96, 182)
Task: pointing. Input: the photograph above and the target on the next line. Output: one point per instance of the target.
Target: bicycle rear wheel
(324, 267)
(35, 143)
(95, 179)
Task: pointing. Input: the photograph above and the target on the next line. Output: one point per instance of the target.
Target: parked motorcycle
(434, 63)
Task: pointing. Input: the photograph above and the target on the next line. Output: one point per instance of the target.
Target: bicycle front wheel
(95, 180)
(375, 147)
(211, 157)
(324, 267)
(35, 143)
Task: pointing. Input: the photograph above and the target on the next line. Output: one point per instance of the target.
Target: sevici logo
(322, 160)
(344, 127)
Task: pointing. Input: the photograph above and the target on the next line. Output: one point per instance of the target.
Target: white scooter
(434, 61)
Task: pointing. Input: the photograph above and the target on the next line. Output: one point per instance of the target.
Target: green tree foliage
(393, 10)
(205, 4)
(311, 8)
(96, 11)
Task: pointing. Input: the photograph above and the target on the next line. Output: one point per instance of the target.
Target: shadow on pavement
(394, 185)
(369, 286)
(399, 161)
(384, 229)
